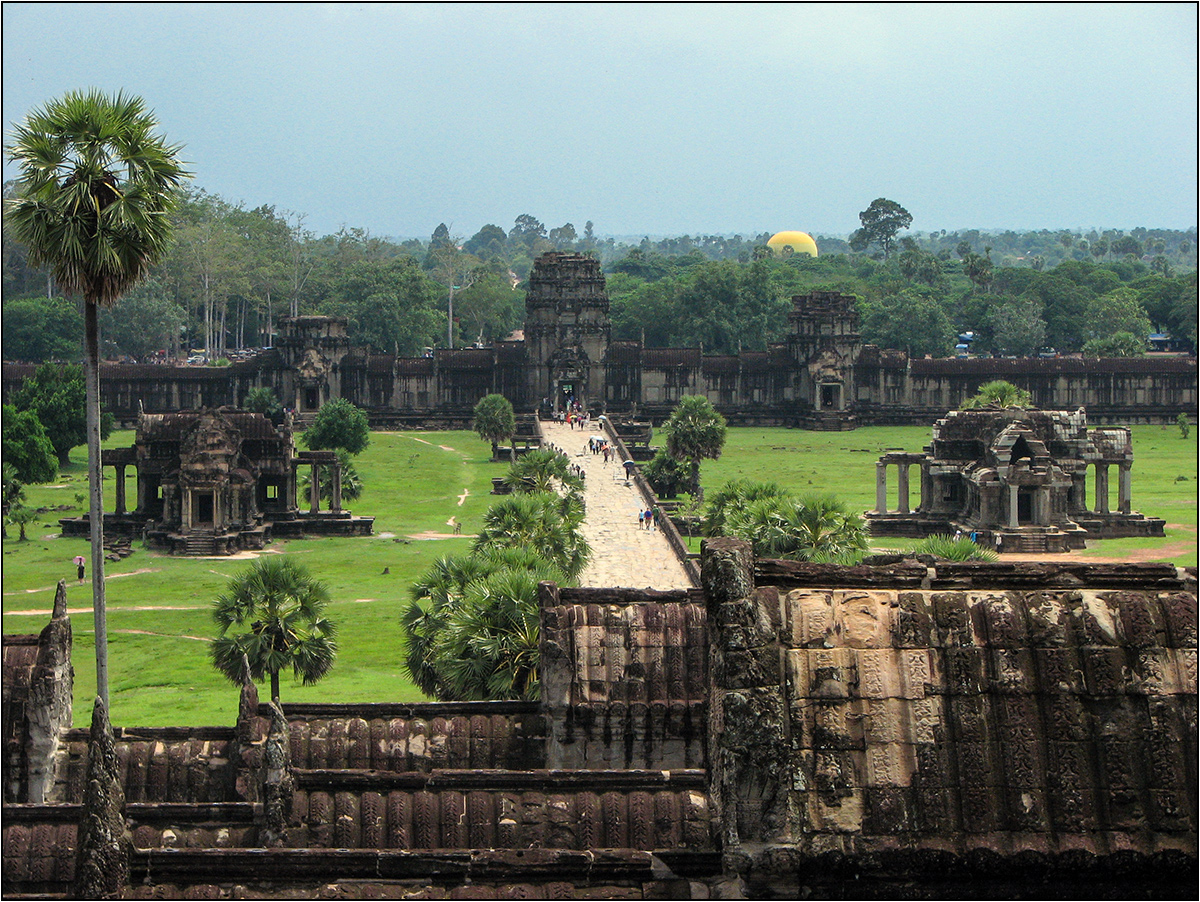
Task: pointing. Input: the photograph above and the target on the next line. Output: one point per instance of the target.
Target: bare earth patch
(72, 582)
(429, 535)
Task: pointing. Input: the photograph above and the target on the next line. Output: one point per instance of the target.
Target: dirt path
(107, 577)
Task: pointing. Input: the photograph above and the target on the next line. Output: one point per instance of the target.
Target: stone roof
(154, 427)
(660, 358)
(464, 358)
(1034, 366)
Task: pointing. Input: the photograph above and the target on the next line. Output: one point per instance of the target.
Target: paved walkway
(622, 553)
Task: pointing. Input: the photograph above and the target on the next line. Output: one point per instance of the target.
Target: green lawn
(158, 620)
(158, 613)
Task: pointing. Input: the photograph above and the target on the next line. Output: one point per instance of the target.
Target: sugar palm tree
(284, 608)
(695, 432)
(541, 520)
(999, 393)
(92, 199)
(542, 470)
(470, 631)
(813, 529)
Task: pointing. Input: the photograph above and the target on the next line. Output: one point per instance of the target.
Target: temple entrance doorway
(566, 395)
(831, 397)
(1024, 507)
(204, 509)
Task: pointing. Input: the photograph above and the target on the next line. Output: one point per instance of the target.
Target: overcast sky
(650, 119)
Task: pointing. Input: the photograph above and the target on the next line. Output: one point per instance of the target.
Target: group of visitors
(648, 519)
(602, 447)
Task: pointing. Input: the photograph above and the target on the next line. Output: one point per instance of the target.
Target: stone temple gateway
(218, 481)
(1016, 478)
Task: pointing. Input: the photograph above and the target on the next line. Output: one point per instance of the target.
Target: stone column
(902, 486)
(1102, 488)
(314, 489)
(1079, 487)
(336, 506)
(927, 500)
(750, 771)
(1041, 512)
(1124, 487)
(1013, 523)
(120, 488)
(880, 488)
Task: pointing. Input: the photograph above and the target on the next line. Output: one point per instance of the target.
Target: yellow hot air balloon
(799, 242)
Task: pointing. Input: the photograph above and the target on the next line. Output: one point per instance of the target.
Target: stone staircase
(200, 544)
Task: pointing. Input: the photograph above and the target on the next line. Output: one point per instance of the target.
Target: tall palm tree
(695, 432)
(284, 608)
(91, 204)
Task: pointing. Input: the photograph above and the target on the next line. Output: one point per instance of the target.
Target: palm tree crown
(91, 204)
(284, 609)
(94, 192)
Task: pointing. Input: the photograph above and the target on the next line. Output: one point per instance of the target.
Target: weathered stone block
(1048, 617)
(1011, 670)
(952, 620)
(811, 618)
(1180, 613)
(912, 625)
(964, 669)
(999, 617)
(865, 619)
(1058, 670)
(1104, 670)
(888, 810)
(752, 667)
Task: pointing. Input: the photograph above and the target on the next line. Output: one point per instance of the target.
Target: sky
(649, 119)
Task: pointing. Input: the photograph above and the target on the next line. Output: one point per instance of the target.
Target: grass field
(159, 623)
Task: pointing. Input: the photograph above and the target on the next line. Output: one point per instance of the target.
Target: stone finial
(60, 600)
(277, 780)
(102, 859)
(727, 569)
(247, 705)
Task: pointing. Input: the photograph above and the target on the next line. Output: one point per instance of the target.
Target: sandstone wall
(975, 712)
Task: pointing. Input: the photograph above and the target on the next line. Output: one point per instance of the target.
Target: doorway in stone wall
(202, 509)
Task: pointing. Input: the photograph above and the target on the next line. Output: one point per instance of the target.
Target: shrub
(951, 549)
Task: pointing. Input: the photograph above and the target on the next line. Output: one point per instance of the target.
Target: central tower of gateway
(566, 331)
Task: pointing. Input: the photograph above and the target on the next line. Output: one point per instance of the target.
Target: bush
(666, 475)
(951, 549)
(338, 425)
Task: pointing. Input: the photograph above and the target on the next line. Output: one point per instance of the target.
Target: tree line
(230, 272)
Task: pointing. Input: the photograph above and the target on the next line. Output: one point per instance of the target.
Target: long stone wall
(977, 715)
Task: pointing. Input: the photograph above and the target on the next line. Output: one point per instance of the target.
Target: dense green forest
(233, 272)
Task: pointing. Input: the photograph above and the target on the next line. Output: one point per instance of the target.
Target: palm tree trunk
(274, 685)
(95, 492)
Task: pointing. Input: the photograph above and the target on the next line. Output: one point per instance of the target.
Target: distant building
(1017, 479)
(821, 377)
(218, 481)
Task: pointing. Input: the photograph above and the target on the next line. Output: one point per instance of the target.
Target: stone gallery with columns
(1017, 479)
(218, 481)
